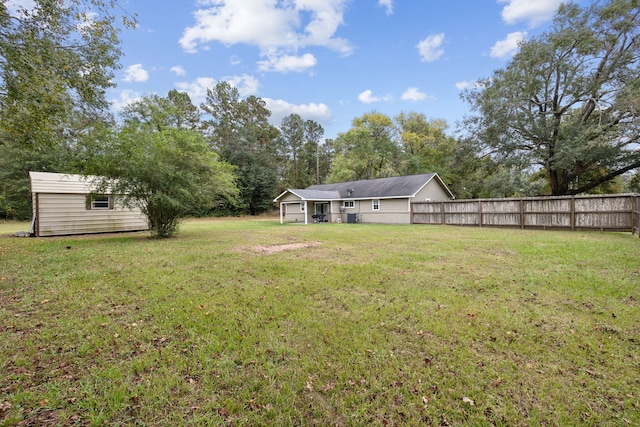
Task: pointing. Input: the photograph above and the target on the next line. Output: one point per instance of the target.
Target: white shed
(66, 204)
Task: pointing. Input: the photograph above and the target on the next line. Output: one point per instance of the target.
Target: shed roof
(48, 182)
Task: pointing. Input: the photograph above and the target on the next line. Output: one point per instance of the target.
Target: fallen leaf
(469, 401)
(425, 400)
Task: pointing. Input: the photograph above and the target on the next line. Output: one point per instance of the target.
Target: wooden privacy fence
(619, 212)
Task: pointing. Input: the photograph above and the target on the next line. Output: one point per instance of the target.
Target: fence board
(619, 212)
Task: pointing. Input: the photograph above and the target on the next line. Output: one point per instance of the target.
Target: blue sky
(326, 60)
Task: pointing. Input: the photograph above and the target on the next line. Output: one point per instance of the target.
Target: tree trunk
(559, 182)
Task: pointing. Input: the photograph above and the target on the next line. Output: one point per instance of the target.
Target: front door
(322, 210)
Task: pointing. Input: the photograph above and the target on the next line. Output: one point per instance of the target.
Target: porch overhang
(304, 197)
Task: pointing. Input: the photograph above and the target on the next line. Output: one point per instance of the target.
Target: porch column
(306, 216)
(281, 219)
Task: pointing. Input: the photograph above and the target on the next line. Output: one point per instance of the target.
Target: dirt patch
(272, 249)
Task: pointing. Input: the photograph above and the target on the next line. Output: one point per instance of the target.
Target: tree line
(562, 117)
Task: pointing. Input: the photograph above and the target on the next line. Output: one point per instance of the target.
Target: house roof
(308, 194)
(381, 188)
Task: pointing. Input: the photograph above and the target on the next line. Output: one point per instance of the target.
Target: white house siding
(336, 214)
(431, 192)
(65, 214)
(392, 211)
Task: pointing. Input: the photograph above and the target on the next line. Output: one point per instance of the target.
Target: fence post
(573, 213)
(410, 212)
(442, 213)
(636, 213)
(522, 214)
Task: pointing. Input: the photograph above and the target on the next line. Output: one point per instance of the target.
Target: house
(383, 200)
(66, 204)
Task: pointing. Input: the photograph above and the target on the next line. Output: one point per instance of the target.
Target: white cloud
(430, 48)
(288, 63)
(197, 89)
(178, 70)
(534, 12)
(367, 97)
(463, 85)
(280, 109)
(414, 94)
(125, 98)
(246, 84)
(278, 29)
(467, 85)
(136, 73)
(508, 46)
(388, 5)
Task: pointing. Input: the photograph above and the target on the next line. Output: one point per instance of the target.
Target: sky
(330, 61)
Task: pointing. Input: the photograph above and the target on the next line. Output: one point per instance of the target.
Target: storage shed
(65, 204)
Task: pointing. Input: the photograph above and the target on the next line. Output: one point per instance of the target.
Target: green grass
(369, 325)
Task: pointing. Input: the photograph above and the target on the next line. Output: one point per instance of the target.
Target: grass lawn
(238, 322)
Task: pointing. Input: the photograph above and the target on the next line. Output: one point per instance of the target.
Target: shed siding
(47, 182)
(65, 214)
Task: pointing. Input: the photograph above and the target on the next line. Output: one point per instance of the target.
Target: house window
(302, 207)
(99, 202)
(375, 205)
(348, 204)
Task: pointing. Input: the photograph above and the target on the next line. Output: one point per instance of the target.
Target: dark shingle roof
(316, 194)
(399, 186)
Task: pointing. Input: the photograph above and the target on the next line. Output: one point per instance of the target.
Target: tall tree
(568, 101)
(314, 154)
(302, 152)
(292, 133)
(158, 165)
(240, 131)
(425, 145)
(57, 58)
(366, 151)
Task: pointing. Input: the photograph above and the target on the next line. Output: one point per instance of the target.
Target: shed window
(99, 202)
(348, 204)
(375, 205)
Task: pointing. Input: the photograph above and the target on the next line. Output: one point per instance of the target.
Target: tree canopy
(239, 130)
(165, 169)
(569, 101)
(57, 58)
(368, 150)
